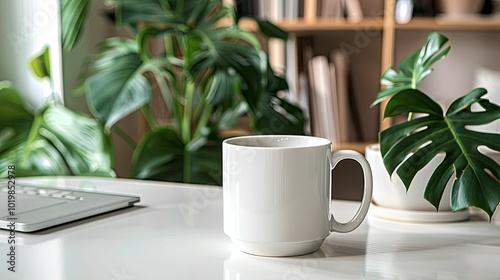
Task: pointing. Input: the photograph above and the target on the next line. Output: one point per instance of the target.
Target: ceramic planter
(460, 7)
(391, 200)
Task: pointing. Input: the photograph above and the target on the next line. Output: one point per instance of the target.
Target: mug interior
(277, 141)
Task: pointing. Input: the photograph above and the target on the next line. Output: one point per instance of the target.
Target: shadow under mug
(277, 193)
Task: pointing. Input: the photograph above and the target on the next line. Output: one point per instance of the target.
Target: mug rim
(236, 141)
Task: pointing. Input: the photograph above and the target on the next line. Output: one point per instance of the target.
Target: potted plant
(441, 137)
(52, 140)
(210, 73)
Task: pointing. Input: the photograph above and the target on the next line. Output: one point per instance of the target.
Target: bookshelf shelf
(330, 25)
(468, 24)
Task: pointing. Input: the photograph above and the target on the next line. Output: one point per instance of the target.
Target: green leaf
(15, 120)
(477, 176)
(37, 159)
(411, 100)
(161, 156)
(146, 33)
(231, 115)
(73, 15)
(278, 116)
(40, 65)
(118, 88)
(414, 68)
(254, 75)
(134, 12)
(271, 30)
(61, 142)
(271, 112)
(220, 87)
(12, 105)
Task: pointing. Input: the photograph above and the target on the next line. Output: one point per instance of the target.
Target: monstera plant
(51, 140)
(408, 146)
(208, 71)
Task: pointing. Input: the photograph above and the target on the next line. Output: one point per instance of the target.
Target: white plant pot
(390, 191)
(391, 200)
(459, 7)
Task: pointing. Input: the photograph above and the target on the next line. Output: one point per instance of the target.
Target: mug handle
(335, 158)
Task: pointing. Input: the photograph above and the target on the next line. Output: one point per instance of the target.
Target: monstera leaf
(477, 176)
(273, 113)
(15, 119)
(40, 65)
(414, 68)
(73, 15)
(161, 155)
(118, 87)
(52, 141)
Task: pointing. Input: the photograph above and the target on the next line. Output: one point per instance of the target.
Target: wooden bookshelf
(380, 20)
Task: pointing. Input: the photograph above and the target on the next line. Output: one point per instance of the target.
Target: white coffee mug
(277, 193)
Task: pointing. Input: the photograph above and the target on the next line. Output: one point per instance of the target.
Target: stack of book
(331, 114)
(299, 9)
(291, 10)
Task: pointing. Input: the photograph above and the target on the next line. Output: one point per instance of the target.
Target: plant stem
(125, 137)
(166, 93)
(413, 86)
(199, 110)
(175, 90)
(461, 145)
(203, 94)
(188, 109)
(148, 114)
(169, 46)
(35, 126)
(203, 120)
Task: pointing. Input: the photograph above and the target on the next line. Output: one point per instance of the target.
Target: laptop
(38, 207)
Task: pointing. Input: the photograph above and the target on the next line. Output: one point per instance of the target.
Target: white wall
(456, 74)
(26, 27)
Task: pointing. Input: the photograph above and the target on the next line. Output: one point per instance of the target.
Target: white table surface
(175, 232)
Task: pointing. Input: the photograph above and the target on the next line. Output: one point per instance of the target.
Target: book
(353, 10)
(291, 64)
(263, 8)
(245, 7)
(331, 9)
(335, 100)
(313, 103)
(303, 101)
(319, 69)
(276, 47)
(310, 10)
(301, 8)
(346, 129)
(291, 9)
(305, 52)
